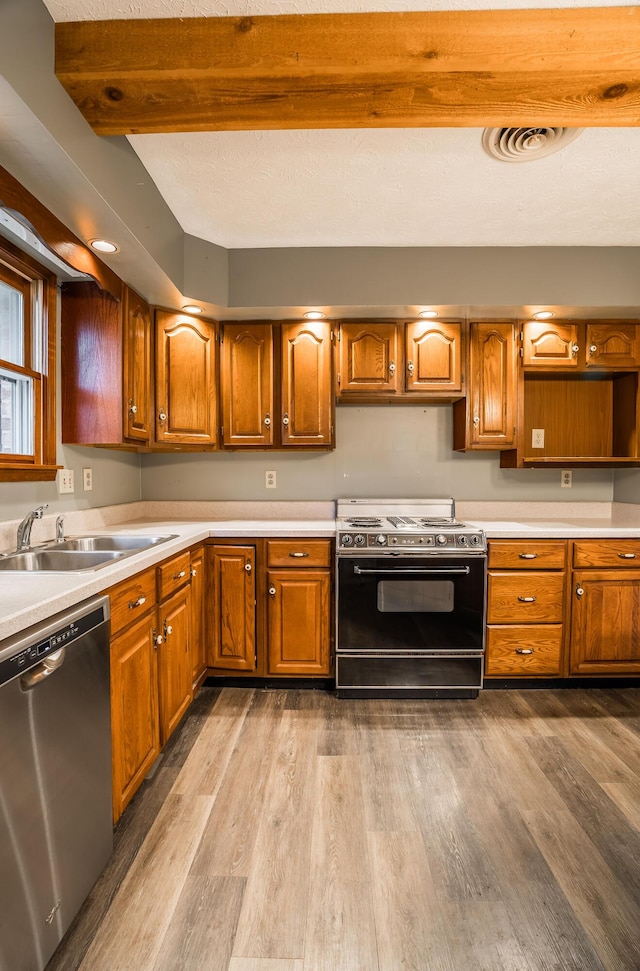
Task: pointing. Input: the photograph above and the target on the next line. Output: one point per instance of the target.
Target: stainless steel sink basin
(79, 554)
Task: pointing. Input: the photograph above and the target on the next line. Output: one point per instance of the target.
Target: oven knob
(359, 539)
(462, 540)
(441, 539)
(381, 539)
(346, 539)
(475, 539)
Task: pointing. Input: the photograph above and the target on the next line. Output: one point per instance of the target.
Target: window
(27, 367)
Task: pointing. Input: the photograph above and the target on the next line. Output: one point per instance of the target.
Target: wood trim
(474, 68)
(54, 234)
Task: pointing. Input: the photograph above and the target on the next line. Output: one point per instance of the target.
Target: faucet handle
(39, 512)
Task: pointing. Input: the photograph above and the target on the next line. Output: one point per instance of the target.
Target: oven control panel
(433, 541)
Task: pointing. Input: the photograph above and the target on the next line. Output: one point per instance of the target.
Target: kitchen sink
(79, 554)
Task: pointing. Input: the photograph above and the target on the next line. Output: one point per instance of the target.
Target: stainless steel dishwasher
(56, 830)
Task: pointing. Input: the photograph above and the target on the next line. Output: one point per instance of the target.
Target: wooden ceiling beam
(554, 67)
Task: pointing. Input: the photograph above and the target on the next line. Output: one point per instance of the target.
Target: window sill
(27, 473)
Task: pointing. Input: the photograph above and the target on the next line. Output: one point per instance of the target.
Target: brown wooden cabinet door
(433, 355)
(175, 666)
(605, 622)
(370, 358)
(134, 709)
(247, 385)
(136, 368)
(232, 608)
(198, 645)
(307, 389)
(550, 344)
(185, 402)
(298, 621)
(491, 411)
(612, 345)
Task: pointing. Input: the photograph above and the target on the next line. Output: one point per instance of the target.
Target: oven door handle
(410, 569)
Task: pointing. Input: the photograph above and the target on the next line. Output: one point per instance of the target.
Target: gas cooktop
(403, 524)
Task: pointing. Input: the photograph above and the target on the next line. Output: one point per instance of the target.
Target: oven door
(398, 604)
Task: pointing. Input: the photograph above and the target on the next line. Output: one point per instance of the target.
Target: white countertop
(26, 599)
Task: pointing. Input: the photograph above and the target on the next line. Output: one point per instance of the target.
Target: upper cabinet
(380, 361)
(106, 388)
(486, 418)
(547, 344)
(276, 381)
(579, 345)
(185, 381)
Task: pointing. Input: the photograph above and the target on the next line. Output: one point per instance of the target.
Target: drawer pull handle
(528, 556)
(298, 555)
(179, 576)
(137, 603)
(527, 600)
(627, 556)
(524, 650)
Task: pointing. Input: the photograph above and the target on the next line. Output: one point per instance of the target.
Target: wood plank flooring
(288, 830)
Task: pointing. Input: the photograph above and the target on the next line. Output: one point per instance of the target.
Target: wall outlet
(270, 480)
(87, 480)
(537, 438)
(65, 481)
(566, 479)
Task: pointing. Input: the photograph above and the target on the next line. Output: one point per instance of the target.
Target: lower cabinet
(151, 669)
(525, 608)
(198, 646)
(605, 608)
(268, 607)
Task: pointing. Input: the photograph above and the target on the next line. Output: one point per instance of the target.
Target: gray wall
(393, 450)
(627, 485)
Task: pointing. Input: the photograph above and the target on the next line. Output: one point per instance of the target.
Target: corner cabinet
(486, 418)
(277, 385)
(105, 367)
(390, 361)
(185, 381)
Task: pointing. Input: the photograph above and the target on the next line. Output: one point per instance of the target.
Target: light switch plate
(65, 481)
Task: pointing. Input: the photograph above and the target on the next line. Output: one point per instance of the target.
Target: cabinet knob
(267, 420)
(194, 572)
(524, 650)
(411, 367)
(392, 367)
(133, 409)
(627, 556)
(285, 420)
(168, 629)
(137, 603)
(574, 349)
(579, 591)
(157, 639)
(593, 348)
(527, 600)
(272, 591)
(247, 567)
(162, 415)
(179, 576)
(476, 421)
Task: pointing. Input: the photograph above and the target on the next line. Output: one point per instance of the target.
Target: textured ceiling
(382, 187)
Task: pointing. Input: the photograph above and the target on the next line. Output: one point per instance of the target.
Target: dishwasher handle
(43, 670)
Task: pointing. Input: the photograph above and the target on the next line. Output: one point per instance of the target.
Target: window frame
(41, 466)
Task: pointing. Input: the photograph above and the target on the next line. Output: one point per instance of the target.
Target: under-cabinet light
(103, 246)
(542, 315)
(192, 308)
(314, 315)
(428, 313)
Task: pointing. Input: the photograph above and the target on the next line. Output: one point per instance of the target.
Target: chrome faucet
(24, 529)
(60, 529)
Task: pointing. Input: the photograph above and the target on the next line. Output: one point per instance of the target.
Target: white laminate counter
(28, 598)
(555, 529)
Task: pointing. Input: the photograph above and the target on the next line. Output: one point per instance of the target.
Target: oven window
(415, 596)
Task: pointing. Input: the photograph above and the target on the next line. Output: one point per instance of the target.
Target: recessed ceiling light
(428, 313)
(103, 246)
(543, 315)
(314, 315)
(192, 308)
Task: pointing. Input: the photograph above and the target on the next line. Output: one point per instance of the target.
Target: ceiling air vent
(526, 144)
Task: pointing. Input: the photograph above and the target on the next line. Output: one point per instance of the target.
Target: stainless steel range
(410, 614)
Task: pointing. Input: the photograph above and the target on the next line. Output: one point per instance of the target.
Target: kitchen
(412, 455)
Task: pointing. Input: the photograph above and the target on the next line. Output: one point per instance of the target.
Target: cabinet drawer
(523, 554)
(525, 598)
(523, 651)
(132, 599)
(173, 574)
(292, 552)
(608, 552)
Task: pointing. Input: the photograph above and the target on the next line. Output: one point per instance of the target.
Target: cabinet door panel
(433, 357)
(185, 380)
(247, 385)
(134, 709)
(174, 661)
(298, 619)
(549, 344)
(232, 611)
(307, 394)
(605, 622)
(492, 385)
(611, 344)
(136, 368)
(370, 358)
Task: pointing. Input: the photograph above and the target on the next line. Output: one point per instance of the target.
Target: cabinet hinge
(338, 380)
(521, 336)
(522, 352)
(221, 334)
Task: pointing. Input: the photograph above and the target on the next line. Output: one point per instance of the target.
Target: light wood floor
(292, 831)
